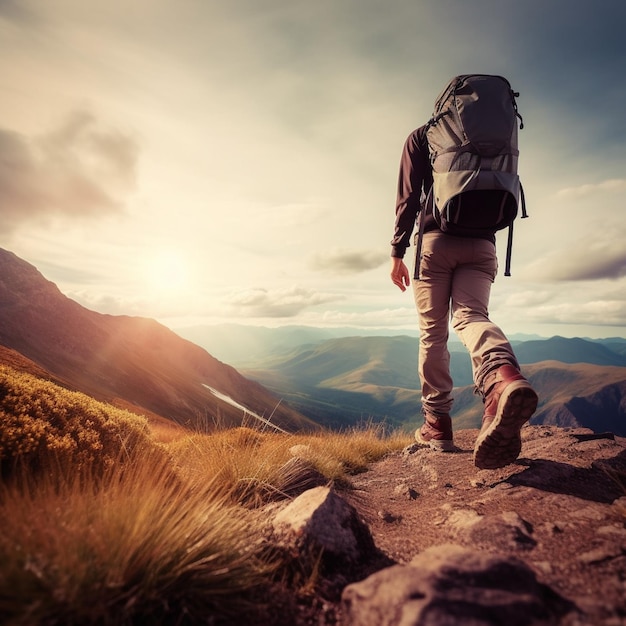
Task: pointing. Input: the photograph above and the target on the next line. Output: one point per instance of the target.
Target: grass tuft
(134, 546)
(257, 468)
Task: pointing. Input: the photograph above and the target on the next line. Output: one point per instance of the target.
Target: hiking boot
(436, 433)
(510, 401)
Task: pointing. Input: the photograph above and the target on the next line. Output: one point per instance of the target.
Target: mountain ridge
(134, 361)
(248, 346)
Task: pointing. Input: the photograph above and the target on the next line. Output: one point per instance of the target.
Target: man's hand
(399, 273)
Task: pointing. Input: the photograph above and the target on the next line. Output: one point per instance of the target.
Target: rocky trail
(541, 541)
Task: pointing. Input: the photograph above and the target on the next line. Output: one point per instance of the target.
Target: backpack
(472, 142)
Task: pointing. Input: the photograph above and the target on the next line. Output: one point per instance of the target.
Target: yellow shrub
(40, 420)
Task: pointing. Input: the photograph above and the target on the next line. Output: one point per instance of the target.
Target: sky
(206, 161)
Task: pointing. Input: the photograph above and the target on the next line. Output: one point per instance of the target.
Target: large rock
(320, 521)
(448, 585)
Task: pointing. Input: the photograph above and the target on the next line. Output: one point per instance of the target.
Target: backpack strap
(509, 243)
(420, 233)
(509, 249)
(523, 199)
(514, 95)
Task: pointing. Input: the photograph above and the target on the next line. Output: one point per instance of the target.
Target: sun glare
(166, 272)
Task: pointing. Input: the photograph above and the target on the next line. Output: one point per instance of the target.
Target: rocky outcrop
(449, 584)
(425, 538)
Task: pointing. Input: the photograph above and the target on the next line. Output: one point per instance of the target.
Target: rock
(405, 491)
(319, 520)
(463, 519)
(506, 530)
(559, 511)
(411, 449)
(618, 532)
(590, 436)
(388, 517)
(601, 554)
(455, 586)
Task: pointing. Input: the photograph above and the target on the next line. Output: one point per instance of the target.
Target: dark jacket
(414, 183)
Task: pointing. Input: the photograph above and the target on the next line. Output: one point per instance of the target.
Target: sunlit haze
(202, 162)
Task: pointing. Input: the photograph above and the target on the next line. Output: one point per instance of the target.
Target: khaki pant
(455, 278)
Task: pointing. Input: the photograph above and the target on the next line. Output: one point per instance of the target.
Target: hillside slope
(135, 362)
(570, 395)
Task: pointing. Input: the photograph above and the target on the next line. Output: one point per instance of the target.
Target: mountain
(348, 363)
(340, 380)
(570, 395)
(615, 344)
(253, 347)
(132, 362)
(573, 350)
(247, 346)
(139, 364)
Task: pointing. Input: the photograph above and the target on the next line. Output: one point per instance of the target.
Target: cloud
(400, 318)
(277, 302)
(79, 169)
(591, 262)
(525, 299)
(596, 313)
(612, 185)
(74, 272)
(349, 261)
(107, 304)
(576, 233)
(14, 11)
(601, 304)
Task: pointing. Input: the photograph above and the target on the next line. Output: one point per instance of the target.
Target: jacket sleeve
(415, 177)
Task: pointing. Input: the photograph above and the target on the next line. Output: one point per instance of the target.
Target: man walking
(452, 282)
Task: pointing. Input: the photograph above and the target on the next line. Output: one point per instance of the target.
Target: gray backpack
(472, 140)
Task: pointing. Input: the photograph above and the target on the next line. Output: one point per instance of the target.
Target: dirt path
(561, 508)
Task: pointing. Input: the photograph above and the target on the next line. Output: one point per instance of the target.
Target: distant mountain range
(132, 362)
(298, 377)
(338, 381)
(250, 346)
(612, 352)
(246, 346)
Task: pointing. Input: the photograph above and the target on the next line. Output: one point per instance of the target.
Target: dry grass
(135, 546)
(103, 525)
(255, 467)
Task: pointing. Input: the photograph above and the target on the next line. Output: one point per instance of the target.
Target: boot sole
(501, 443)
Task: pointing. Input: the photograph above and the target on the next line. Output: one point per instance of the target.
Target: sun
(166, 272)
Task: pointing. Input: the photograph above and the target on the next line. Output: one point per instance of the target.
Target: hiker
(452, 280)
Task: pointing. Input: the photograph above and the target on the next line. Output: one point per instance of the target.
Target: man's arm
(415, 174)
